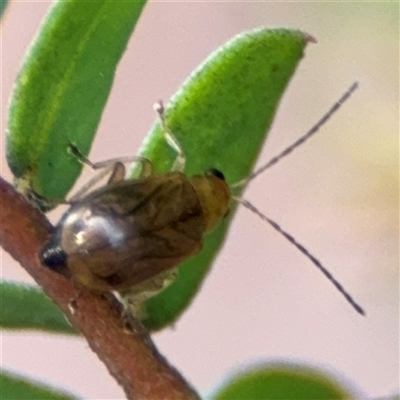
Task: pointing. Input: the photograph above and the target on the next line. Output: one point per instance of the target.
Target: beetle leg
(117, 173)
(134, 298)
(88, 185)
(180, 161)
(147, 167)
(115, 167)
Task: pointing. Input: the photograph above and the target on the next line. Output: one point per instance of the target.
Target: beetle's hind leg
(114, 167)
(180, 161)
(134, 298)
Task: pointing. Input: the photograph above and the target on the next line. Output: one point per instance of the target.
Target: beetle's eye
(217, 173)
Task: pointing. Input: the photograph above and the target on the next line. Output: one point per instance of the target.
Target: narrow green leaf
(62, 89)
(221, 117)
(13, 387)
(3, 6)
(27, 307)
(282, 382)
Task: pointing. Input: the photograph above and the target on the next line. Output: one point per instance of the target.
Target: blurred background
(338, 195)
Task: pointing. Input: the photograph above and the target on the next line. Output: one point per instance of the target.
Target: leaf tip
(310, 38)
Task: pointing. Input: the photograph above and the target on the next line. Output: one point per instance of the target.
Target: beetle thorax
(214, 196)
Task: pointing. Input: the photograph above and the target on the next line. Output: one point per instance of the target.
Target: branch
(131, 358)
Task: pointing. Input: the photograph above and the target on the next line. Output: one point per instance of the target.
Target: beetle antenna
(314, 129)
(303, 250)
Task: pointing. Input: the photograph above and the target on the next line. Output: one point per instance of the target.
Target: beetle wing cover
(145, 227)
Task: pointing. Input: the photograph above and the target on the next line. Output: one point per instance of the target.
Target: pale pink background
(338, 195)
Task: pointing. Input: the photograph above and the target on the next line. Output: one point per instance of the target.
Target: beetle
(128, 231)
(130, 235)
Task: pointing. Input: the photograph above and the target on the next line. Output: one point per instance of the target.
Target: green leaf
(284, 382)
(27, 307)
(221, 117)
(62, 89)
(13, 387)
(3, 6)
